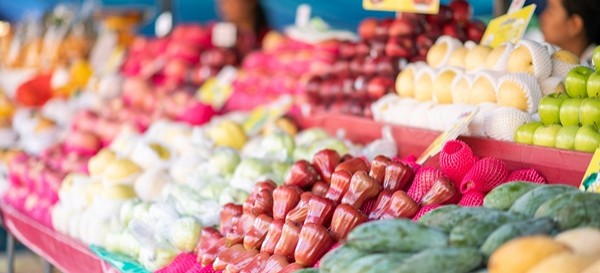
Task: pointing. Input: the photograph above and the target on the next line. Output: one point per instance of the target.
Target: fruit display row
(569, 117)
(148, 196)
(465, 239)
(365, 70)
(505, 85)
(291, 226)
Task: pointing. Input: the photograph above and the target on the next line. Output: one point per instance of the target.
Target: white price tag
(303, 14)
(224, 35)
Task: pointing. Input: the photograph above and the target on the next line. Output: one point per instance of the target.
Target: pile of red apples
(365, 70)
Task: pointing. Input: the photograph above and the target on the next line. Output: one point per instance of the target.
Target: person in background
(572, 25)
(250, 19)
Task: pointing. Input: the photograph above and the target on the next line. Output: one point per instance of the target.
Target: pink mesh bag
(472, 199)
(528, 175)
(180, 264)
(456, 159)
(410, 161)
(424, 210)
(422, 183)
(197, 268)
(486, 174)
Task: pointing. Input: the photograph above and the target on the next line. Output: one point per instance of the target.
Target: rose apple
(589, 112)
(593, 85)
(546, 135)
(576, 81)
(549, 108)
(382, 29)
(565, 139)
(587, 139)
(569, 112)
(524, 133)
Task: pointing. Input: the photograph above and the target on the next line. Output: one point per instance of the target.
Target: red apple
(442, 17)
(369, 67)
(401, 47)
(403, 27)
(379, 86)
(377, 49)
(475, 30)
(362, 49)
(453, 30)
(433, 31)
(341, 68)
(356, 65)
(424, 43)
(348, 87)
(461, 11)
(313, 86)
(382, 30)
(347, 50)
(384, 66)
(360, 88)
(366, 29)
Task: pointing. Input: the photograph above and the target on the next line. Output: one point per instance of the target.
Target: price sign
(415, 6)
(591, 179)
(508, 28)
(461, 124)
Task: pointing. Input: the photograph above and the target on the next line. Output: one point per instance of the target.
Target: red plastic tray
(64, 253)
(558, 166)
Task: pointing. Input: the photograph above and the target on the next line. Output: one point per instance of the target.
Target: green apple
(596, 58)
(589, 112)
(593, 85)
(576, 81)
(546, 135)
(569, 112)
(524, 134)
(565, 139)
(549, 108)
(587, 139)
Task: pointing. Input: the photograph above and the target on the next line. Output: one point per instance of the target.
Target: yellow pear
(424, 86)
(476, 58)
(458, 57)
(405, 82)
(565, 56)
(442, 86)
(520, 60)
(461, 89)
(483, 90)
(437, 54)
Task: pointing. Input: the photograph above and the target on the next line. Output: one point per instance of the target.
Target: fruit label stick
(458, 128)
(508, 28)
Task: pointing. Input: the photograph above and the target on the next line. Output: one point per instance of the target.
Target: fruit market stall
(305, 155)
